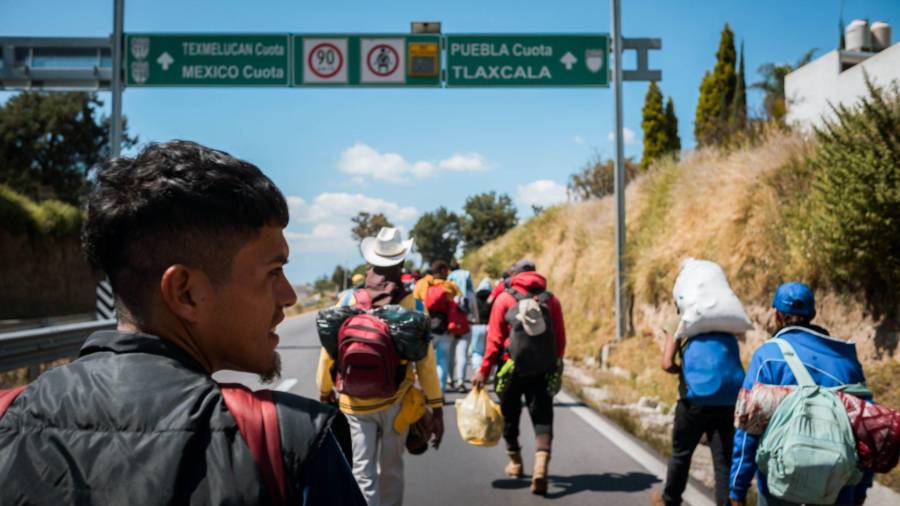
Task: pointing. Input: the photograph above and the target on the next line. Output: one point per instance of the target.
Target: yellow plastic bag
(479, 419)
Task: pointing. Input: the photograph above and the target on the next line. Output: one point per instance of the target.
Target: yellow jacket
(424, 370)
(422, 286)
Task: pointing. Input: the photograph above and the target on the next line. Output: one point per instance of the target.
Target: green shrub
(21, 215)
(16, 212)
(854, 203)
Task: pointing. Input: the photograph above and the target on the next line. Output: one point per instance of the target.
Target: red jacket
(498, 329)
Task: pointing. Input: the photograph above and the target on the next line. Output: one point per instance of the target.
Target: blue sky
(334, 152)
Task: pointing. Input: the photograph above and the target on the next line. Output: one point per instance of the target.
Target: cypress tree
(672, 128)
(656, 132)
(739, 104)
(717, 94)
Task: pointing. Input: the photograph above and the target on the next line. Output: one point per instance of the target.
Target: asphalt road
(593, 462)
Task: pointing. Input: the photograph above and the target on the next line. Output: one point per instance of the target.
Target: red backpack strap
(257, 421)
(363, 299)
(8, 396)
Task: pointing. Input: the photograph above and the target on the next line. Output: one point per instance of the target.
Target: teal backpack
(808, 452)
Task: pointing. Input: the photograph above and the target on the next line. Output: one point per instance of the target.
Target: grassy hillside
(743, 209)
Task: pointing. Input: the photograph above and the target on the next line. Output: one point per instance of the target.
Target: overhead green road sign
(207, 59)
(527, 60)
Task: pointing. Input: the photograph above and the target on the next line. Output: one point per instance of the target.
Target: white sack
(706, 301)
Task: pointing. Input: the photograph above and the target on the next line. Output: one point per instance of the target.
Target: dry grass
(724, 207)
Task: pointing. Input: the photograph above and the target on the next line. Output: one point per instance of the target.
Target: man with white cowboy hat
(377, 445)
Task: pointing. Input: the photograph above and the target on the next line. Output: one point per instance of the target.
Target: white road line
(286, 384)
(621, 439)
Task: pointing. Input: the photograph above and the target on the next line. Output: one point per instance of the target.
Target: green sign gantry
(207, 60)
(366, 60)
(527, 60)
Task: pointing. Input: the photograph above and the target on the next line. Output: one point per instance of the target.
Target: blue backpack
(711, 369)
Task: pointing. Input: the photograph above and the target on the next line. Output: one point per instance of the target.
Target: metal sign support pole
(115, 134)
(620, 168)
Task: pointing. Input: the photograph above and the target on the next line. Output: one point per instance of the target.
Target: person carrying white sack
(710, 373)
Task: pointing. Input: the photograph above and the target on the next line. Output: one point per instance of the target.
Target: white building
(838, 77)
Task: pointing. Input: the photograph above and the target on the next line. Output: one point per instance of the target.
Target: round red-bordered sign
(395, 64)
(333, 50)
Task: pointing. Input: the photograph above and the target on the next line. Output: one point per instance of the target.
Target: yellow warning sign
(424, 59)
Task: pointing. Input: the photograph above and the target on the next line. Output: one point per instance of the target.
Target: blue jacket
(831, 362)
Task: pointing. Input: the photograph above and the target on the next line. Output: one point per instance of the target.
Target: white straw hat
(386, 249)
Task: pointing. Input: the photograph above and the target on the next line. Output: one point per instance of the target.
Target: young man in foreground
(191, 240)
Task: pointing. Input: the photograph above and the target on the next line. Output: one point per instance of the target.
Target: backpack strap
(543, 296)
(363, 299)
(8, 396)
(790, 356)
(257, 420)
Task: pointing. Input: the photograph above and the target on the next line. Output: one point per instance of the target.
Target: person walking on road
(526, 341)
(378, 445)
(828, 361)
(479, 328)
(437, 295)
(710, 376)
(466, 303)
(192, 242)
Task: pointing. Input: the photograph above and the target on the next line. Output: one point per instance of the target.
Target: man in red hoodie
(526, 340)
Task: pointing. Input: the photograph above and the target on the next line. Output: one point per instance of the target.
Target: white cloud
(541, 193)
(577, 139)
(464, 163)
(336, 206)
(323, 225)
(361, 161)
(628, 136)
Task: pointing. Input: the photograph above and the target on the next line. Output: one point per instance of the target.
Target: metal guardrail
(30, 347)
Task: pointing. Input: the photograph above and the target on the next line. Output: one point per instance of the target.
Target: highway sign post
(527, 60)
(207, 60)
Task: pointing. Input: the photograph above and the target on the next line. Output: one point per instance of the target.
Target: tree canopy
(772, 84)
(596, 179)
(486, 217)
(655, 127)
(717, 90)
(437, 235)
(368, 225)
(50, 141)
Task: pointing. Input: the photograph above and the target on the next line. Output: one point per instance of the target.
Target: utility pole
(619, 185)
(115, 134)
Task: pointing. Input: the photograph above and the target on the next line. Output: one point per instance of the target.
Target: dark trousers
(538, 401)
(691, 422)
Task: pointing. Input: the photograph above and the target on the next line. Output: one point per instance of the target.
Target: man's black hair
(174, 203)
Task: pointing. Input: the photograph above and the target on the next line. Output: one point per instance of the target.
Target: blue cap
(794, 298)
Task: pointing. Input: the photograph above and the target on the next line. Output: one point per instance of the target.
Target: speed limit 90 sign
(325, 61)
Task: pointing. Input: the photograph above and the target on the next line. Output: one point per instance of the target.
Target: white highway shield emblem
(593, 58)
(140, 47)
